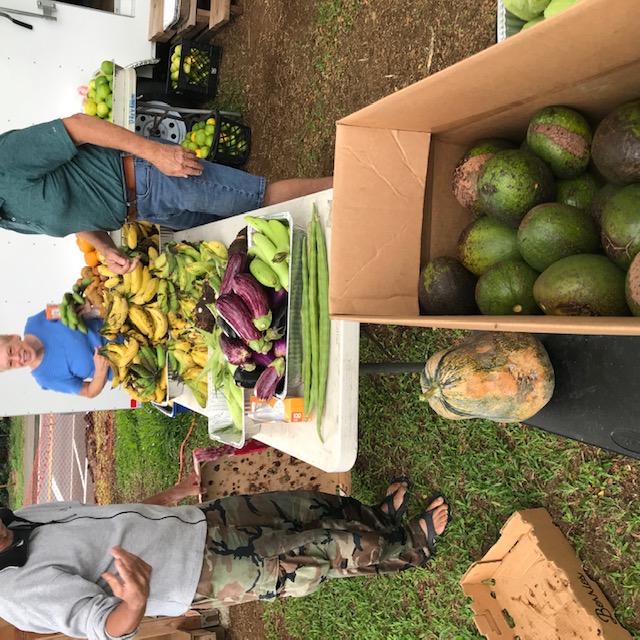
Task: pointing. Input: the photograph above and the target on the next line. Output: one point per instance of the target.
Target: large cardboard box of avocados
(532, 585)
(393, 206)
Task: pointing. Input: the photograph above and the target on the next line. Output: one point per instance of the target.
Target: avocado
(552, 231)
(632, 286)
(465, 175)
(599, 202)
(446, 288)
(512, 182)
(578, 192)
(616, 145)
(507, 289)
(582, 285)
(561, 137)
(484, 242)
(621, 225)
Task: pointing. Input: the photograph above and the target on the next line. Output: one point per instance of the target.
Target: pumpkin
(499, 376)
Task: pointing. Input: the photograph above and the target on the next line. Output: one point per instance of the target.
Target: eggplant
(269, 380)
(254, 296)
(280, 348)
(264, 359)
(247, 379)
(235, 350)
(237, 264)
(278, 326)
(226, 328)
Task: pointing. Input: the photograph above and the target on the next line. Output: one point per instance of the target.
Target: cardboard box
(531, 585)
(393, 207)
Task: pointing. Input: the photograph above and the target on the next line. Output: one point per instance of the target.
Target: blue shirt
(68, 353)
(50, 186)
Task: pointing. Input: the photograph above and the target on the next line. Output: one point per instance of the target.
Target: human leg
(283, 190)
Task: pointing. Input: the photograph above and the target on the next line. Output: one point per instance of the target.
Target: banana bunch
(71, 306)
(139, 369)
(150, 321)
(187, 362)
(141, 236)
(186, 265)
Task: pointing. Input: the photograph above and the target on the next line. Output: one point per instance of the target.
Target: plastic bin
(193, 69)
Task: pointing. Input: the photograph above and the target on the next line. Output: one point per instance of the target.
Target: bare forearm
(165, 498)
(93, 388)
(124, 619)
(84, 129)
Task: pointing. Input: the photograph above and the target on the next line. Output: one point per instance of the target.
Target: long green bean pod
(324, 323)
(313, 308)
(306, 332)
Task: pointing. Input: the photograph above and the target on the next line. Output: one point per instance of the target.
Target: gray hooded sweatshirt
(60, 588)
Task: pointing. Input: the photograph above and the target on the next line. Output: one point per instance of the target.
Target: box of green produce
(194, 69)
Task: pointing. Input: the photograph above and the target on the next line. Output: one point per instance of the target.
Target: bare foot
(400, 490)
(440, 516)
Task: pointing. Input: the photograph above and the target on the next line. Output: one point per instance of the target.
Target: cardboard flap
(396, 162)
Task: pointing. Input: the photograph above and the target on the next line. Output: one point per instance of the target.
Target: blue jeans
(182, 203)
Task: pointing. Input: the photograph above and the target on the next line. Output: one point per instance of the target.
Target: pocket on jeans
(143, 179)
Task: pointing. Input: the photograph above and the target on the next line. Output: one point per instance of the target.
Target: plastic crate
(193, 69)
(231, 140)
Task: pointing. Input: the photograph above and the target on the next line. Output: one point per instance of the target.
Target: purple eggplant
(280, 348)
(278, 326)
(226, 328)
(246, 378)
(254, 296)
(269, 380)
(235, 351)
(237, 264)
(264, 359)
(235, 312)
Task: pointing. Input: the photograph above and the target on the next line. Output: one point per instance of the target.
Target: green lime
(109, 100)
(91, 94)
(90, 107)
(91, 84)
(201, 138)
(187, 68)
(102, 92)
(100, 80)
(107, 67)
(204, 151)
(178, 50)
(209, 140)
(102, 110)
(209, 129)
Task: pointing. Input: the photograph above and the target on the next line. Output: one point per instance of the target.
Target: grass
(147, 449)
(16, 462)
(487, 471)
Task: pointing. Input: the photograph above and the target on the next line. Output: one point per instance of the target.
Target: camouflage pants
(287, 543)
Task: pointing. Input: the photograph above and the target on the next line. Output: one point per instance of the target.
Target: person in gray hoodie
(95, 571)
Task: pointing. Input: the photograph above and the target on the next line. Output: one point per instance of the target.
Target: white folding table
(340, 423)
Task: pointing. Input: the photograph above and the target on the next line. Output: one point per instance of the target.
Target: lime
(100, 80)
(102, 109)
(178, 49)
(209, 129)
(90, 107)
(175, 65)
(193, 145)
(211, 121)
(175, 74)
(109, 101)
(91, 84)
(186, 144)
(204, 151)
(187, 68)
(200, 138)
(209, 140)
(107, 67)
(91, 94)
(102, 92)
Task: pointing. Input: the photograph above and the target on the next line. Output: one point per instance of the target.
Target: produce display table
(339, 427)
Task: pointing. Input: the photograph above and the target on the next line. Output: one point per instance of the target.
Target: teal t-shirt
(50, 186)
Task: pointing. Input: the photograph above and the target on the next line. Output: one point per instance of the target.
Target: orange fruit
(91, 258)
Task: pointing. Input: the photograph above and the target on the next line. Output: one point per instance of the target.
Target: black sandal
(429, 540)
(396, 514)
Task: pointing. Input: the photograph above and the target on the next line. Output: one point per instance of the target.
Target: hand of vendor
(101, 364)
(174, 160)
(131, 585)
(118, 261)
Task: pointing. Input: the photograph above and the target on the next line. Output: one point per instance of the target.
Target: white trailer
(40, 73)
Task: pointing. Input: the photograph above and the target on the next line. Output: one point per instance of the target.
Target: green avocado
(600, 201)
(512, 182)
(621, 225)
(465, 175)
(484, 242)
(446, 288)
(632, 286)
(616, 145)
(580, 191)
(582, 285)
(507, 289)
(562, 137)
(552, 231)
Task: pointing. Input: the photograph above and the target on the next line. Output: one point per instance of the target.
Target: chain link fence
(60, 467)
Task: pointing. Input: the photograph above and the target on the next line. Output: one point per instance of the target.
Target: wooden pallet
(195, 22)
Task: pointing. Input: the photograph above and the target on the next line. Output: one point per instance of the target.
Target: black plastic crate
(230, 141)
(193, 69)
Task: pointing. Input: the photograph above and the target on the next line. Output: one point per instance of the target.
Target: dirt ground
(300, 66)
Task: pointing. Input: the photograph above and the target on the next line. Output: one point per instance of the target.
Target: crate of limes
(193, 69)
(219, 139)
(99, 99)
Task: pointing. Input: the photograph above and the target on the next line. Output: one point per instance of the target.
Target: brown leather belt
(130, 183)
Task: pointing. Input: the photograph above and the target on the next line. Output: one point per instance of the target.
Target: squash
(499, 376)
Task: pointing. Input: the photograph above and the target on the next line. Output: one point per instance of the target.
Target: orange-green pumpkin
(500, 376)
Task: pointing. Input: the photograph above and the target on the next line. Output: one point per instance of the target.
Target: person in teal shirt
(67, 176)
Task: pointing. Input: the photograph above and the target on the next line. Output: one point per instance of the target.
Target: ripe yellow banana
(112, 282)
(130, 352)
(141, 320)
(103, 270)
(130, 234)
(200, 356)
(160, 323)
